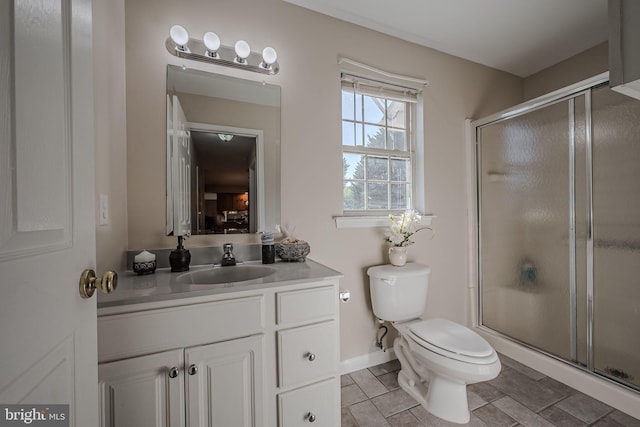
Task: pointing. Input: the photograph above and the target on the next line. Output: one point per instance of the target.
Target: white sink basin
(231, 274)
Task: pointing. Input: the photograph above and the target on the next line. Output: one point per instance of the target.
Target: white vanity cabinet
(261, 357)
(212, 376)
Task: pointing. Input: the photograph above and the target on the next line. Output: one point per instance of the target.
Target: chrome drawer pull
(310, 356)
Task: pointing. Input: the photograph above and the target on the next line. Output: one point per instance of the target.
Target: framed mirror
(223, 154)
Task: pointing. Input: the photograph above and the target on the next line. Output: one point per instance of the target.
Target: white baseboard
(366, 361)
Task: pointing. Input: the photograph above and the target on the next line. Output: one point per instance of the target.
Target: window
(378, 146)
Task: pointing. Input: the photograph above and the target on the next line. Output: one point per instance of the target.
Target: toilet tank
(398, 293)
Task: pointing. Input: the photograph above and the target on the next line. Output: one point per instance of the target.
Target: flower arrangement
(402, 227)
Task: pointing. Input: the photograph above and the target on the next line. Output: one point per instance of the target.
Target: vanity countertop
(162, 288)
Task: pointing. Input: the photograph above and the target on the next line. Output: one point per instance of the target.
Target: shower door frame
(568, 93)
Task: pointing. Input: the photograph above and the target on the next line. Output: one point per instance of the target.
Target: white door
(48, 351)
(179, 187)
(169, 183)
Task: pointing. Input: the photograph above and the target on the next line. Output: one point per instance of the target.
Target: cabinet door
(143, 391)
(224, 383)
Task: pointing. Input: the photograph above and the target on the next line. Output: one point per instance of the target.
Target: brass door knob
(89, 282)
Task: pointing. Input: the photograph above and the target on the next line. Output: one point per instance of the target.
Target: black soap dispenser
(180, 258)
(268, 249)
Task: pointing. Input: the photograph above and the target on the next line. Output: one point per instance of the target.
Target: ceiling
(521, 37)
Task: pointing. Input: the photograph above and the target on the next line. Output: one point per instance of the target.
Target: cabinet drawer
(317, 403)
(144, 332)
(306, 305)
(307, 353)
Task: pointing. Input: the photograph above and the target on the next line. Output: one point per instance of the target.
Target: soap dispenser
(180, 257)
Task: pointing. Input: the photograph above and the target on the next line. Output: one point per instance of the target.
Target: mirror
(223, 154)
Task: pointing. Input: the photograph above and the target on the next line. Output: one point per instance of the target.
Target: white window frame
(415, 139)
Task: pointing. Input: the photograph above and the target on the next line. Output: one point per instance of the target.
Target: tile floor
(519, 396)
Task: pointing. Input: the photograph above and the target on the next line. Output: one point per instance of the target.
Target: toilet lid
(450, 337)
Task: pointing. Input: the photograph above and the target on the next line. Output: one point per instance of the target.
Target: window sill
(373, 221)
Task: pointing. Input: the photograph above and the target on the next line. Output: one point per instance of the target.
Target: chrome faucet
(228, 258)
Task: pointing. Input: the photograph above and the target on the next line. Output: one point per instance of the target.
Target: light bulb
(180, 36)
(269, 56)
(212, 43)
(242, 51)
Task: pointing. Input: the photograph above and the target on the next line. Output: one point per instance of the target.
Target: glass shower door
(559, 228)
(528, 241)
(616, 232)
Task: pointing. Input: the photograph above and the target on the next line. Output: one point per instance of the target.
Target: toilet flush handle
(390, 282)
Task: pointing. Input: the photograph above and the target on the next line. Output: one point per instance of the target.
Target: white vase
(398, 255)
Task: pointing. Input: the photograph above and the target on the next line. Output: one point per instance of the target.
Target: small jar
(268, 248)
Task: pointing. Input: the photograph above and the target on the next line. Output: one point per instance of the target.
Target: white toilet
(438, 357)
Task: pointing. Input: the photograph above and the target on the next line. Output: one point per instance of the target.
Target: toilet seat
(451, 340)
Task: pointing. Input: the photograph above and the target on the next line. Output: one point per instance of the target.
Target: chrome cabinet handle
(311, 417)
(173, 372)
(193, 369)
(310, 356)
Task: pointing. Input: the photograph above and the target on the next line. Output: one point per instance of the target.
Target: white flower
(403, 227)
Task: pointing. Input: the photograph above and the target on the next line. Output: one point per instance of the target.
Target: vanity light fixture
(210, 50)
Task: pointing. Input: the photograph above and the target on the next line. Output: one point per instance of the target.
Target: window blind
(372, 87)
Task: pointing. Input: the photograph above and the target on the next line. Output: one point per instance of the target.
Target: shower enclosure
(558, 193)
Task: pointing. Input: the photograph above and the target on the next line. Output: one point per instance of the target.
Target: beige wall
(308, 45)
(110, 125)
(587, 64)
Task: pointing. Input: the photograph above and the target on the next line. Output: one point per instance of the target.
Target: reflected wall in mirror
(223, 154)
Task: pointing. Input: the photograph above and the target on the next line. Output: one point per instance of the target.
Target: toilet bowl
(451, 357)
(438, 357)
